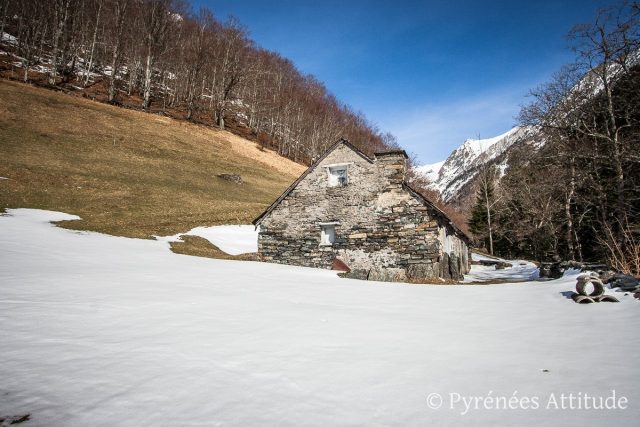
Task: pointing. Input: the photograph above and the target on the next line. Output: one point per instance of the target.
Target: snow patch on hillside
(520, 270)
(232, 239)
(430, 172)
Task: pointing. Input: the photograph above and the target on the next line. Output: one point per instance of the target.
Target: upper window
(338, 176)
(327, 234)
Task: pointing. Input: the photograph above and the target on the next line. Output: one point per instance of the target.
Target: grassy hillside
(128, 173)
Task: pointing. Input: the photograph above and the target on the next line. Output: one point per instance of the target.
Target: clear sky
(433, 73)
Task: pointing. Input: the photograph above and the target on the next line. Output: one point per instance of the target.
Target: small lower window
(327, 235)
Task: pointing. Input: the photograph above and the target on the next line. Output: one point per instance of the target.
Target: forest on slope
(572, 190)
(160, 56)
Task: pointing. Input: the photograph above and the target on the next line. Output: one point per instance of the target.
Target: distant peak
(496, 138)
(447, 177)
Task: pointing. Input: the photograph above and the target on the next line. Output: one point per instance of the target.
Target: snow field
(102, 330)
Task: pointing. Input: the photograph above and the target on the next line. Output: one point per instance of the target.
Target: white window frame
(334, 178)
(328, 233)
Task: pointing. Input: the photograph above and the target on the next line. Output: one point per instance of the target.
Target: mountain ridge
(452, 176)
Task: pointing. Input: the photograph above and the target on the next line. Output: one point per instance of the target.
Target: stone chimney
(392, 166)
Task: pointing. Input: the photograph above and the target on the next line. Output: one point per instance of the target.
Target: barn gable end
(360, 211)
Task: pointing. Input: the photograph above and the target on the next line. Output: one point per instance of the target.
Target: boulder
(557, 270)
(625, 282)
(231, 177)
(552, 270)
(545, 269)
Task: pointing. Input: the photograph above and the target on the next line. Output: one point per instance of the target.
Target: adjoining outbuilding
(349, 209)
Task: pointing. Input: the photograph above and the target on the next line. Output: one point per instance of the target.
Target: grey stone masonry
(361, 211)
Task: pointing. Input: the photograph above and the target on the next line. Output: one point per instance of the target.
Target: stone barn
(349, 209)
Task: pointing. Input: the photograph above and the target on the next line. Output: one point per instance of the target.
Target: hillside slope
(128, 173)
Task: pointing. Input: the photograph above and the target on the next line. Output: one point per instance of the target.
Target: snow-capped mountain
(430, 172)
(454, 178)
(450, 176)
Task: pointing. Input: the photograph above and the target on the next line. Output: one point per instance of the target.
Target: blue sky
(433, 73)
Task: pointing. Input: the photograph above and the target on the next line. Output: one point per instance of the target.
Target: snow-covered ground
(101, 330)
(520, 271)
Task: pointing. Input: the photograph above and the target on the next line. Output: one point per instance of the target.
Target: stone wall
(383, 231)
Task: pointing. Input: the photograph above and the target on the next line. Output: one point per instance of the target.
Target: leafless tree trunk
(87, 72)
(157, 17)
(567, 208)
(119, 16)
(30, 14)
(61, 14)
(4, 17)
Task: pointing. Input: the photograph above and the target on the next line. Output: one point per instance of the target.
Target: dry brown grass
(125, 172)
(270, 158)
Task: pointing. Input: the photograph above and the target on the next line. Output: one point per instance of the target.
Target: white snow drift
(232, 239)
(100, 330)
